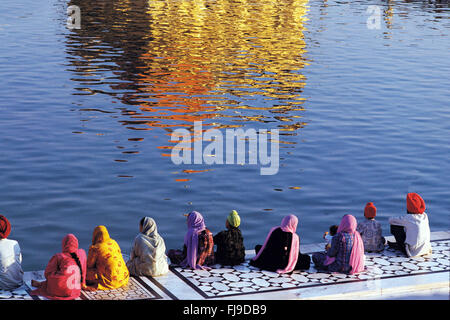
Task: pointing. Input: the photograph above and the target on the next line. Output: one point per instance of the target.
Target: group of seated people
(104, 268)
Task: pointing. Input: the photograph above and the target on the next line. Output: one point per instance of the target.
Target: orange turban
(415, 203)
(370, 211)
(5, 227)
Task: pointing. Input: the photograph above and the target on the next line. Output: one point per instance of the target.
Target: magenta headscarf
(195, 224)
(288, 224)
(348, 224)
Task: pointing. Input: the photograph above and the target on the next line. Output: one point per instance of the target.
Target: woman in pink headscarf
(346, 254)
(65, 273)
(198, 249)
(281, 249)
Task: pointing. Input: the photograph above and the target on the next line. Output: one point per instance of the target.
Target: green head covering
(233, 219)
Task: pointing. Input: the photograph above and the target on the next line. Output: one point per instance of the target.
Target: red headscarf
(69, 244)
(415, 203)
(370, 211)
(5, 227)
(61, 280)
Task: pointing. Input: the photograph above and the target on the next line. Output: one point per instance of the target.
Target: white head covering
(150, 232)
(148, 256)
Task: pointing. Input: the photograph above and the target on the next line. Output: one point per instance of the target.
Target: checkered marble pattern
(17, 294)
(135, 290)
(244, 279)
(23, 293)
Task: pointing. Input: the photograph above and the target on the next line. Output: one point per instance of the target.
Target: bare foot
(35, 283)
(89, 288)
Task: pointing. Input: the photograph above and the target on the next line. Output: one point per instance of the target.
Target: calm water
(86, 114)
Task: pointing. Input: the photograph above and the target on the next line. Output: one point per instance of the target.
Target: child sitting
(370, 230)
(328, 236)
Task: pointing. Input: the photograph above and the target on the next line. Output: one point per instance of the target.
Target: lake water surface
(87, 114)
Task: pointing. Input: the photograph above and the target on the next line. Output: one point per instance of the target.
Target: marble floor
(244, 279)
(389, 274)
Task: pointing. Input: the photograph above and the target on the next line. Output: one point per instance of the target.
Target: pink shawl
(288, 224)
(195, 224)
(348, 224)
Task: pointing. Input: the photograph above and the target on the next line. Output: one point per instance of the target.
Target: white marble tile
(202, 273)
(391, 268)
(365, 276)
(5, 294)
(270, 274)
(260, 282)
(380, 261)
(319, 275)
(222, 270)
(176, 286)
(231, 277)
(249, 275)
(428, 264)
(241, 268)
(241, 284)
(228, 293)
(220, 286)
(339, 275)
(288, 285)
(279, 280)
(442, 248)
(299, 278)
(205, 288)
(399, 259)
(445, 262)
(210, 279)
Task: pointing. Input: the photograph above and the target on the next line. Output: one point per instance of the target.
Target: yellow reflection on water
(230, 62)
(203, 51)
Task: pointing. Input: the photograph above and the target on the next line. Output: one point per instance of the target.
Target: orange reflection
(174, 62)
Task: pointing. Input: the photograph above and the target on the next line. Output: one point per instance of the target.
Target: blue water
(86, 115)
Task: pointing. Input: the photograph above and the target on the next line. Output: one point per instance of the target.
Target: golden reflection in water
(389, 15)
(173, 62)
(230, 47)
